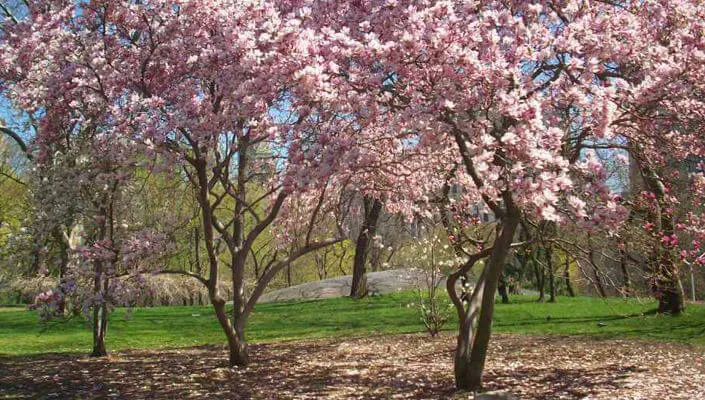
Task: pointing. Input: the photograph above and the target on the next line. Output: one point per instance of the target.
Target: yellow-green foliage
(326, 263)
(14, 202)
(573, 268)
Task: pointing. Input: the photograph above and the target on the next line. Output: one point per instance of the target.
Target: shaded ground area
(383, 367)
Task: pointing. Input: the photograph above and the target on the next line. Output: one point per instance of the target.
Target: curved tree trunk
(235, 334)
(239, 350)
(373, 208)
(476, 321)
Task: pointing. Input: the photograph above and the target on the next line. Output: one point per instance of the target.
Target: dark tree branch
(321, 198)
(201, 279)
(281, 264)
(8, 13)
(12, 134)
(257, 230)
(8, 176)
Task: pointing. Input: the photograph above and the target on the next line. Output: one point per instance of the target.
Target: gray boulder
(382, 282)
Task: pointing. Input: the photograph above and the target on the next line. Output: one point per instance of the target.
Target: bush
(434, 305)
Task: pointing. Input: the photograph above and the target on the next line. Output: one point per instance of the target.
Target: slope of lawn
(160, 327)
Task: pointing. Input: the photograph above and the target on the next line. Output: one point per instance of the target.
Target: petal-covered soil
(382, 367)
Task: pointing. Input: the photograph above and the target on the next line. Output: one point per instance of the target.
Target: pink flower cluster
(504, 99)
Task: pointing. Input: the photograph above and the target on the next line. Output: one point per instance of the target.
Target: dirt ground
(383, 367)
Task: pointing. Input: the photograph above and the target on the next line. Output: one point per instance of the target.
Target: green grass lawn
(161, 327)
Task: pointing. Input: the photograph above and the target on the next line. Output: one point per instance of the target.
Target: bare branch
(8, 13)
(315, 214)
(13, 178)
(12, 134)
(186, 273)
(459, 136)
(281, 264)
(257, 230)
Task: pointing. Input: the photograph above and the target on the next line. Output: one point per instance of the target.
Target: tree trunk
(321, 265)
(670, 301)
(236, 341)
(63, 269)
(551, 276)
(100, 327)
(373, 207)
(471, 353)
(239, 350)
(502, 288)
(626, 283)
(669, 288)
(692, 283)
(100, 313)
(235, 334)
(100, 290)
(375, 255)
(540, 276)
(237, 344)
(566, 277)
(596, 271)
(288, 276)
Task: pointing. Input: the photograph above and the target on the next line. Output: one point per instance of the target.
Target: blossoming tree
(281, 107)
(226, 94)
(521, 94)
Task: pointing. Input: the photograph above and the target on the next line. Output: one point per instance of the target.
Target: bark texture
(373, 208)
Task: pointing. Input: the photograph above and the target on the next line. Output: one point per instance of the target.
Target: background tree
(372, 208)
